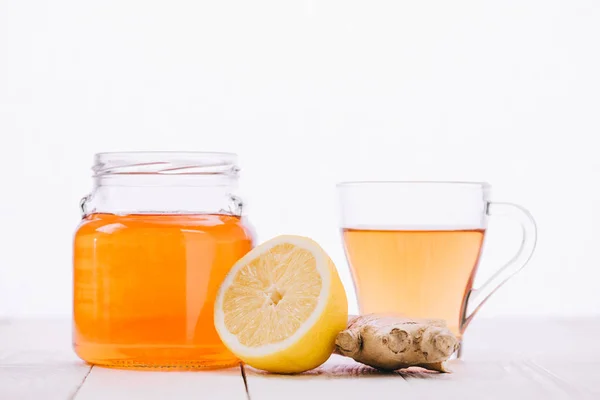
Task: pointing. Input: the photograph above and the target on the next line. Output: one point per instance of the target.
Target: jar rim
(165, 163)
(478, 184)
(164, 153)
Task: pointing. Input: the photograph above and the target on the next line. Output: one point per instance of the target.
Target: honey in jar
(159, 233)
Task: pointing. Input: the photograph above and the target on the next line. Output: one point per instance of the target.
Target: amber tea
(421, 273)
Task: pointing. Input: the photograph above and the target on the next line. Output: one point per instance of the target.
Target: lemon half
(282, 305)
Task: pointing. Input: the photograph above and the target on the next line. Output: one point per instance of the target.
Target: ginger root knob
(391, 343)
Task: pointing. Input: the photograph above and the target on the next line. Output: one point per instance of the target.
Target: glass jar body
(145, 279)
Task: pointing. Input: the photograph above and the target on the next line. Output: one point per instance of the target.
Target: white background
(308, 93)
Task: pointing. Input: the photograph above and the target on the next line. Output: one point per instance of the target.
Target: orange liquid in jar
(144, 288)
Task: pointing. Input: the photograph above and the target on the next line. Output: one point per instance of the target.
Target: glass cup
(414, 247)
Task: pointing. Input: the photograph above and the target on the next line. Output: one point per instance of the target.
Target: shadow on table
(350, 370)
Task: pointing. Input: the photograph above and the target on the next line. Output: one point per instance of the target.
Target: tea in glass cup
(414, 247)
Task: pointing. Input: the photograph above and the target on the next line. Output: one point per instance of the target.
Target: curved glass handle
(477, 297)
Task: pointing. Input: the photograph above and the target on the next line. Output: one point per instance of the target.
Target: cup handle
(476, 297)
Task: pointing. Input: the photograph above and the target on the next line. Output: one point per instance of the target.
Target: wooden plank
(495, 380)
(339, 377)
(468, 380)
(37, 362)
(37, 342)
(503, 358)
(548, 338)
(104, 383)
(583, 375)
(41, 382)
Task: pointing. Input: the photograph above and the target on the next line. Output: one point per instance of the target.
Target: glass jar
(159, 233)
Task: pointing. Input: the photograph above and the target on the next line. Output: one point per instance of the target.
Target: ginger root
(391, 343)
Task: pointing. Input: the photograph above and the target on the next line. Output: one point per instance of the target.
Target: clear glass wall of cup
(158, 234)
(413, 247)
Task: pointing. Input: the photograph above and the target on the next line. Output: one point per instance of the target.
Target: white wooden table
(503, 359)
